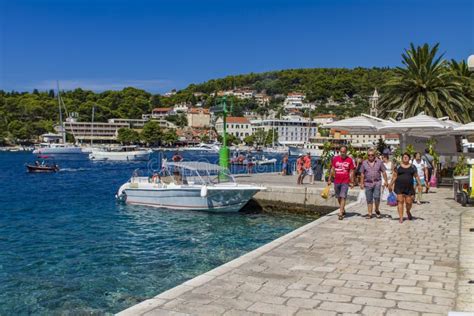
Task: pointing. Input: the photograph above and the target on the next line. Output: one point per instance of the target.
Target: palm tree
(426, 85)
(461, 70)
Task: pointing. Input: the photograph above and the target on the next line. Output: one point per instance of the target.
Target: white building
(295, 100)
(182, 107)
(290, 132)
(239, 127)
(324, 118)
(262, 99)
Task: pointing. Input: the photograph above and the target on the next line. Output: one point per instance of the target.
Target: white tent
(467, 129)
(363, 124)
(420, 125)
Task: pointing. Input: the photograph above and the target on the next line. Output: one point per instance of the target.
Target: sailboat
(58, 148)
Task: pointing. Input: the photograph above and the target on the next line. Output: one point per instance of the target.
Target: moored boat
(189, 185)
(120, 153)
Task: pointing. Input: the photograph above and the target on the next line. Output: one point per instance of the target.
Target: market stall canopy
(420, 125)
(362, 124)
(467, 129)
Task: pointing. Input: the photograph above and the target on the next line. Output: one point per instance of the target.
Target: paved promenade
(354, 266)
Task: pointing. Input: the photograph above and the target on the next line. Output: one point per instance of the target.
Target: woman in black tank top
(403, 179)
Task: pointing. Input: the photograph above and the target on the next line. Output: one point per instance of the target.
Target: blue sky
(160, 45)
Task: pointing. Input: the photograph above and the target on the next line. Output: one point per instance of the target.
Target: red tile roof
(198, 111)
(237, 119)
(162, 110)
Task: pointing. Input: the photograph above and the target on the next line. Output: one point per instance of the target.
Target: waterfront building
(198, 117)
(239, 127)
(132, 123)
(97, 131)
(365, 140)
(295, 131)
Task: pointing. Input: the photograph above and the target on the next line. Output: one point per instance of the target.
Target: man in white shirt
(422, 171)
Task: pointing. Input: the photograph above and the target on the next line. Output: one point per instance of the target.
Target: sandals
(377, 214)
(368, 216)
(409, 215)
(340, 216)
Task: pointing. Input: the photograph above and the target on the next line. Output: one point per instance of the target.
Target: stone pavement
(354, 266)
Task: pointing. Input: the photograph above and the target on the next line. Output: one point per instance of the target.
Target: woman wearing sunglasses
(402, 178)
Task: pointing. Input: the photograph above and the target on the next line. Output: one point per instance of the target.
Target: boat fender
(203, 191)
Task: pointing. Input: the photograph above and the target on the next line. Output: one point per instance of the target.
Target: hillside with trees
(426, 82)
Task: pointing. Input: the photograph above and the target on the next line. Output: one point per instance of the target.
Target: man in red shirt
(342, 170)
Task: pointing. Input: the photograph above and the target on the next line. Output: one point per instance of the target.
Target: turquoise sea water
(67, 247)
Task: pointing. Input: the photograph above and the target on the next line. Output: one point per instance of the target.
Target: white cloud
(104, 84)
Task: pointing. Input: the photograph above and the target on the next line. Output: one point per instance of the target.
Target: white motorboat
(189, 185)
(266, 161)
(56, 148)
(120, 153)
(276, 150)
(296, 151)
(204, 148)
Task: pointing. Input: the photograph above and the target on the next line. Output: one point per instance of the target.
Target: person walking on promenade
(300, 168)
(402, 184)
(371, 172)
(389, 166)
(430, 166)
(284, 165)
(342, 170)
(308, 171)
(422, 171)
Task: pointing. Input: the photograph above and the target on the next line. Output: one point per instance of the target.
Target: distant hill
(317, 83)
(26, 115)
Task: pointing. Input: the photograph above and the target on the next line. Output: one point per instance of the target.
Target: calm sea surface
(67, 247)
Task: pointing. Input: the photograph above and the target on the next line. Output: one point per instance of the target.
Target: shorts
(308, 171)
(422, 181)
(341, 190)
(373, 193)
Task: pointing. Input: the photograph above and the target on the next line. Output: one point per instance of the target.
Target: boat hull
(216, 199)
(120, 156)
(41, 169)
(57, 151)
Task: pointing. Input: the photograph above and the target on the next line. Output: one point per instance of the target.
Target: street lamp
(470, 62)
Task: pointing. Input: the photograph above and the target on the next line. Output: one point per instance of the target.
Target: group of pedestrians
(381, 174)
(307, 166)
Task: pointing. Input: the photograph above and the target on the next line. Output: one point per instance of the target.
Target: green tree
(20, 131)
(179, 120)
(127, 136)
(425, 85)
(269, 138)
(249, 140)
(170, 137)
(151, 133)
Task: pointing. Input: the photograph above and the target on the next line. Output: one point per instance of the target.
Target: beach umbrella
(362, 124)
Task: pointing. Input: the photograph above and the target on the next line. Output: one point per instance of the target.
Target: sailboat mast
(61, 125)
(92, 125)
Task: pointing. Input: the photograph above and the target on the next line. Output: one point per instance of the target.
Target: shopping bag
(361, 198)
(325, 192)
(385, 194)
(392, 199)
(433, 182)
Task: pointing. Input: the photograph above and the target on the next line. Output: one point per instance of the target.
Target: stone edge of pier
(201, 279)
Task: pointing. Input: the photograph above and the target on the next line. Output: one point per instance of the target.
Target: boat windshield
(194, 172)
